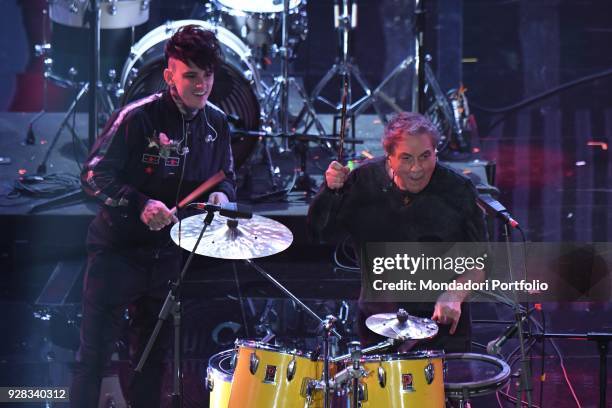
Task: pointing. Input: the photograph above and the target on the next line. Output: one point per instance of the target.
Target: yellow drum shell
(219, 378)
(410, 380)
(270, 376)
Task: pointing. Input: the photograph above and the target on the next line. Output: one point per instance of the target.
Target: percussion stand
(602, 341)
(93, 87)
(172, 305)
(344, 67)
(326, 324)
(422, 78)
(525, 370)
(280, 89)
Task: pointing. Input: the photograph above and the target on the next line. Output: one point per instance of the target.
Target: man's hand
(447, 311)
(156, 215)
(336, 175)
(218, 198)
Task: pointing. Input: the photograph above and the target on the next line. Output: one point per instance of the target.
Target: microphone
(495, 345)
(495, 208)
(230, 210)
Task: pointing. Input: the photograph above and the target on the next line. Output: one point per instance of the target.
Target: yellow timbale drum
(219, 378)
(403, 380)
(271, 376)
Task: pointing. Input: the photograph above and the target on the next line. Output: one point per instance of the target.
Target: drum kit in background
(259, 39)
(259, 373)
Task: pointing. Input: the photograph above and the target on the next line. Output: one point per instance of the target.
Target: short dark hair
(196, 44)
(411, 124)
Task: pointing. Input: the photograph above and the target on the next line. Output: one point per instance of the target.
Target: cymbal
(402, 326)
(227, 238)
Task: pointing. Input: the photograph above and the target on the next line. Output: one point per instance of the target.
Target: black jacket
(141, 154)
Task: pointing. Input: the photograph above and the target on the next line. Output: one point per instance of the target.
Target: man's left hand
(447, 311)
(218, 198)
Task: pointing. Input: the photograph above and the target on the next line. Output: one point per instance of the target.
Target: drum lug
(253, 363)
(382, 376)
(291, 369)
(430, 373)
(112, 8)
(210, 381)
(233, 360)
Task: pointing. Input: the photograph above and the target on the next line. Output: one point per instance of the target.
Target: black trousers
(114, 280)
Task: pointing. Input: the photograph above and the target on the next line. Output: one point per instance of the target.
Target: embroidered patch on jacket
(172, 161)
(150, 159)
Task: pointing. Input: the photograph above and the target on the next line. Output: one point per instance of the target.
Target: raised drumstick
(204, 187)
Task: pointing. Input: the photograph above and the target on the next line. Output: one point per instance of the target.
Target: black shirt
(144, 149)
(371, 208)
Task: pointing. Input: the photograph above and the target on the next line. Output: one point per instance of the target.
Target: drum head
(479, 374)
(221, 363)
(258, 6)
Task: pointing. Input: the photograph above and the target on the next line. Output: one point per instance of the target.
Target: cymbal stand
(423, 82)
(93, 87)
(276, 98)
(172, 305)
(41, 50)
(344, 65)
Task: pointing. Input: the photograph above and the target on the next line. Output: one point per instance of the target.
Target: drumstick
(204, 187)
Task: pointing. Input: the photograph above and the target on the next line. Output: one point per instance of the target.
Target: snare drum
(412, 379)
(219, 378)
(271, 376)
(468, 375)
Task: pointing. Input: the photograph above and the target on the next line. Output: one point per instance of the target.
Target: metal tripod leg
(42, 167)
(106, 101)
(378, 93)
(307, 104)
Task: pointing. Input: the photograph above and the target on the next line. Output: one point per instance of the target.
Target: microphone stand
(94, 72)
(172, 305)
(525, 371)
(602, 341)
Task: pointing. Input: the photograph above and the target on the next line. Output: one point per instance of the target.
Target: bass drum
(236, 87)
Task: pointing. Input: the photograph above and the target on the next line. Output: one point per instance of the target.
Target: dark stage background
(538, 80)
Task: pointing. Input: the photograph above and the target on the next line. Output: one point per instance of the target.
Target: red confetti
(22, 172)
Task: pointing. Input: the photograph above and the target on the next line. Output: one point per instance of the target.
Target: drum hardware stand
(525, 370)
(356, 373)
(602, 341)
(302, 181)
(422, 78)
(326, 324)
(95, 92)
(280, 89)
(172, 305)
(42, 167)
(41, 50)
(344, 66)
